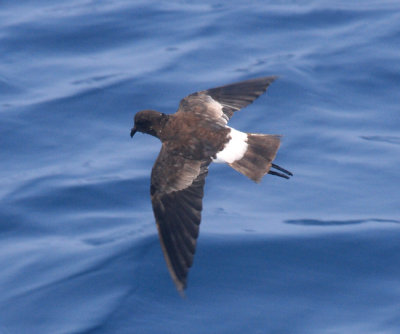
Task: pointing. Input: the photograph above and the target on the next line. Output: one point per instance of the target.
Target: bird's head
(148, 121)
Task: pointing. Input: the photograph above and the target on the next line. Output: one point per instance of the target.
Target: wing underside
(176, 192)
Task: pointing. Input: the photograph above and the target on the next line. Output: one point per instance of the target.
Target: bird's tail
(257, 160)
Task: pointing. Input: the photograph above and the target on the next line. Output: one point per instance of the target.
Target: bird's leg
(278, 174)
(281, 169)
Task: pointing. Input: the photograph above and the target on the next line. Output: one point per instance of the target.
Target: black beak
(133, 131)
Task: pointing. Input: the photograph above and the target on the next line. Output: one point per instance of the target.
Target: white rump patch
(235, 149)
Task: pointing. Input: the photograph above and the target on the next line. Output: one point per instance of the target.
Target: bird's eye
(143, 123)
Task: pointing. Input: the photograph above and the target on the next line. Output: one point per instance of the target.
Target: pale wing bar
(236, 96)
(220, 103)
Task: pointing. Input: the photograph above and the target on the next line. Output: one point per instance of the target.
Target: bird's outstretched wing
(220, 103)
(177, 187)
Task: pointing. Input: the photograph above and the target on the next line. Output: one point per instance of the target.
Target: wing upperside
(222, 102)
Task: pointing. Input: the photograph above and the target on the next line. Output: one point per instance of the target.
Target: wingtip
(181, 292)
(271, 79)
(267, 81)
(275, 77)
(179, 285)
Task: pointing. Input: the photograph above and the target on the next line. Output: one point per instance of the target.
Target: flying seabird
(196, 135)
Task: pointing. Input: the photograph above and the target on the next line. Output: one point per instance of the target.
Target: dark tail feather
(256, 162)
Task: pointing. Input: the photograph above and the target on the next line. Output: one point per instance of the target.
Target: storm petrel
(196, 135)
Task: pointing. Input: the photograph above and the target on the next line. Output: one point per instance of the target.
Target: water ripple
(384, 139)
(316, 222)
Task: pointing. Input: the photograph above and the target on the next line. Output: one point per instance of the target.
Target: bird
(196, 135)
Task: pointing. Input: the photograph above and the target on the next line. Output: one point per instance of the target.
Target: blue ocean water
(319, 253)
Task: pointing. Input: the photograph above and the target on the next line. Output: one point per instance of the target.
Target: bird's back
(194, 136)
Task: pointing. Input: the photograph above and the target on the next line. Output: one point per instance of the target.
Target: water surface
(319, 253)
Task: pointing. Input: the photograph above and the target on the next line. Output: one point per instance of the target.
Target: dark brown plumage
(191, 139)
